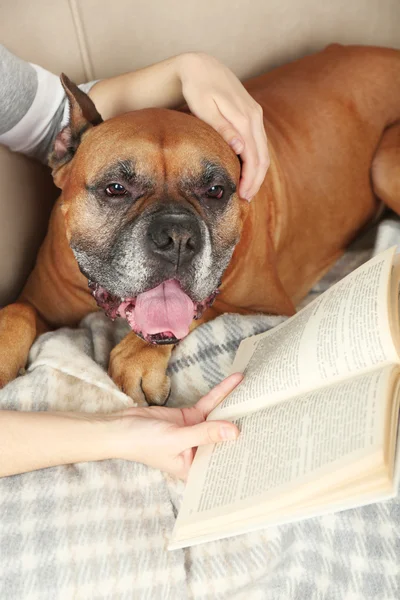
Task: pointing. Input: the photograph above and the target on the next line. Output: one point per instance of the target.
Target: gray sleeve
(33, 106)
(18, 84)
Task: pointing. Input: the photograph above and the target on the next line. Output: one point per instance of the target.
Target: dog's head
(151, 212)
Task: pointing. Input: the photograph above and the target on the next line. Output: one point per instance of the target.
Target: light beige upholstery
(91, 39)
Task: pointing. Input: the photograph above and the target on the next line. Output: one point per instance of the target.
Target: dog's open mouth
(161, 315)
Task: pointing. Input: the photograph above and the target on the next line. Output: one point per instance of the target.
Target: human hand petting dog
(162, 438)
(213, 94)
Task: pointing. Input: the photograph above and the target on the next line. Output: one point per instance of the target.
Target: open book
(317, 410)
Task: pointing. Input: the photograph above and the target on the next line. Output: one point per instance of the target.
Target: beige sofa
(90, 39)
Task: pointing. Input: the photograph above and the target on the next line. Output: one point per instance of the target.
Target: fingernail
(246, 196)
(228, 433)
(236, 145)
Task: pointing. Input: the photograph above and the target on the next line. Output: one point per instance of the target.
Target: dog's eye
(216, 191)
(115, 189)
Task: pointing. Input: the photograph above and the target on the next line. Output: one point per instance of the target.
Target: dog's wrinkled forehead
(154, 145)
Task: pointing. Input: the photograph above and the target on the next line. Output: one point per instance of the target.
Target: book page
(286, 445)
(344, 332)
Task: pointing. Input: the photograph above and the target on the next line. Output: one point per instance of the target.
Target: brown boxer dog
(150, 226)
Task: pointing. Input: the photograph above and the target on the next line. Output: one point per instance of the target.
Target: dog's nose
(175, 237)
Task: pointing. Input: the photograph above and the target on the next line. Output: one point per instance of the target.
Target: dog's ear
(82, 116)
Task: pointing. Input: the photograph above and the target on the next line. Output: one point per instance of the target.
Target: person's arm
(160, 437)
(212, 92)
(158, 85)
(35, 440)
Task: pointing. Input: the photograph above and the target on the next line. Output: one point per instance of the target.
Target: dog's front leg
(140, 370)
(20, 324)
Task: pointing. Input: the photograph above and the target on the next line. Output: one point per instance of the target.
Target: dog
(150, 227)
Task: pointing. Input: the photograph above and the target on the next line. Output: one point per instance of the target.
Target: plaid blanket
(100, 530)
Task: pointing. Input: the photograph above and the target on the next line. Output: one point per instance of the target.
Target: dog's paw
(4, 379)
(139, 370)
(10, 366)
(17, 333)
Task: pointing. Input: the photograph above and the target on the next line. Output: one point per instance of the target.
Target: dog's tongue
(165, 308)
